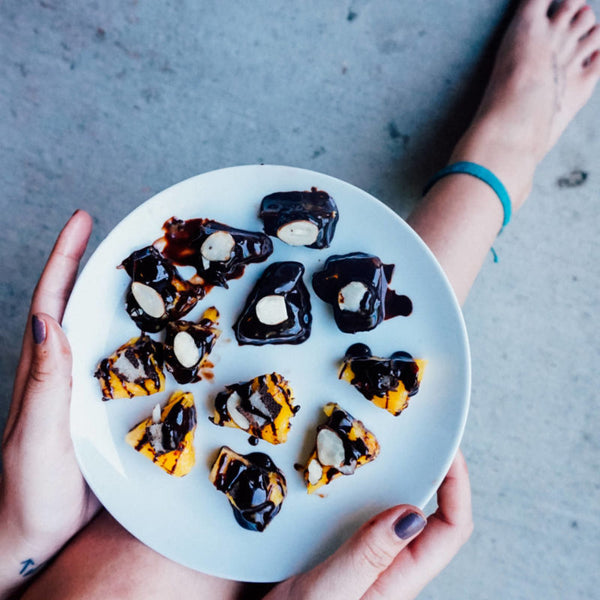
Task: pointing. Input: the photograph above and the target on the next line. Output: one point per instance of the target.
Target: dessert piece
(167, 437)
(217, 252)
(262, 407)
(387, 382)
(356, 286)
(253, 484)
(187, 346)
(134, 369)
(277, 311)
(300, 218)
(157, 293)
(343, 444)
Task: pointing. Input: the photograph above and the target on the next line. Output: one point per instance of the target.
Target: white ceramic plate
(187, 519)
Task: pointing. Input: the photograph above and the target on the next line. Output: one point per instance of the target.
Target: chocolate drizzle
(341, 423)
(147, 266)
(375, 376)
(257, 403)
(281, 279)
(378, 302)
(183, 240)
(359, 444)
(140, 352)
(254, 485)
(178, 422)
(317, 207)
(204, 335)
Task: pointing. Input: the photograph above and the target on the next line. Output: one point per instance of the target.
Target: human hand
(44, 499)
(396, 554)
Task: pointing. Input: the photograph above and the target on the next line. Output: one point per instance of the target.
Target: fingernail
(38, 328)
(75, 213)
(409, 525)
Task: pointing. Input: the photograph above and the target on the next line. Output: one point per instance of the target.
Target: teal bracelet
(482, 173)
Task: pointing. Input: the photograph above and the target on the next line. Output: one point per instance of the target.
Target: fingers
(44, 404)
(52, 292)
(58, 277)
(350, 572)
(446, 531)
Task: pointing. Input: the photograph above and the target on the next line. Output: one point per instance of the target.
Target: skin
(36, 516)
(545, 72)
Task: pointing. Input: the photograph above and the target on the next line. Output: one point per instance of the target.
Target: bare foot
(545, 71)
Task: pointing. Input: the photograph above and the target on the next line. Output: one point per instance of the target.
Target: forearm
(460, 216)
(105, 561)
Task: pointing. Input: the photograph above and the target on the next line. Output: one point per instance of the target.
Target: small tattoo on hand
(28, 567)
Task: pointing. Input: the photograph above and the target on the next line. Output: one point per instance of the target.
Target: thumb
(357, 564)
(48, 386)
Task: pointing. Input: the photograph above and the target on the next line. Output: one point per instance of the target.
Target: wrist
(19, 559)
(11, 550)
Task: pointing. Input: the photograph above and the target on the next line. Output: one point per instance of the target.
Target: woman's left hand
(44, 499)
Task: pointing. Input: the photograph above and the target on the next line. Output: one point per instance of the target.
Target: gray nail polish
(38, 328)
(409, 525)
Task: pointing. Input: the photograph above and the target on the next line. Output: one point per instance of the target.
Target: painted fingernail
(409, 525)
(38, 328)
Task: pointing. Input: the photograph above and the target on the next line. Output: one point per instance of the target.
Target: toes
(535, 7)
(563, 14)
(588, 45)
(583, 21)
(592, 65)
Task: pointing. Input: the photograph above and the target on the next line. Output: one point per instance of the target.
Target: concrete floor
(106, 103)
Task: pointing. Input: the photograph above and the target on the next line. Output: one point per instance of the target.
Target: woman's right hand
(396, 554)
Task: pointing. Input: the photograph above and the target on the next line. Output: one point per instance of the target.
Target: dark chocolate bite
(187, 346)
(253, 484)
(217, 251)
(387, 382)
(157, 293)
(277, 311)
(356, 286)
(300, 218)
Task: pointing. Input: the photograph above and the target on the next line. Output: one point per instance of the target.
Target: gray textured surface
(106, 103)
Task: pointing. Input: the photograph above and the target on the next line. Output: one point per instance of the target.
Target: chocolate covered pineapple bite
(356, 286)
(262, 407)
(134, 369)
(253, 484)
(187, 346)
(217, 251)
(167, 436)
(157, 293)
(277, 311)
(300, 218)
(342, 445)
(387, 382)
